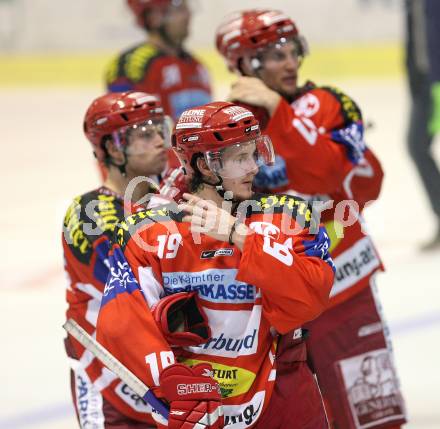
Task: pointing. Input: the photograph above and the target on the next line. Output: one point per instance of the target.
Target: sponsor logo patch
(232, 344)
(243, 416)
(252, 128)
(233, 381)
(208, 254)
(190, 388)
(354, 264)
(88, 400)
(132, 399)
(190, 139)
(212, 285)
(234, 333)
(237, 113)
(191, 118)
(372, 389)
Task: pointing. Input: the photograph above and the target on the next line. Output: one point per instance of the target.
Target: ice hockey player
(128, 132)
(204, 288)
(317, 134)
(161, 65)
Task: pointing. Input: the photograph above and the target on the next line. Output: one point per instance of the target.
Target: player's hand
(194, 397)
(173, 184)
(207, 218)
(253, 91)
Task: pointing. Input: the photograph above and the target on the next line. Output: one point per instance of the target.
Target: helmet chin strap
(226, 195)
(218, 186)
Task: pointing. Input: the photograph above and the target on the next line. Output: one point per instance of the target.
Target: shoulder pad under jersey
(137, 221)
(296, 207)
(88, 218)
(349, 109)
(132, 64)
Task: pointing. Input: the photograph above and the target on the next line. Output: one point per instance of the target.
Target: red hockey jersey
(180, 82)
(309, 163)
(88, 225)
(276, 284)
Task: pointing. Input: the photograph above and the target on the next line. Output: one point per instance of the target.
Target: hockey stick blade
(116, 367)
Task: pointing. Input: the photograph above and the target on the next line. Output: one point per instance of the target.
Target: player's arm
(86, 235)
(344, 118)
(365, 181)
(126, 326)
(292, 267)
(314, 161)
(133, 326)
(128, 329)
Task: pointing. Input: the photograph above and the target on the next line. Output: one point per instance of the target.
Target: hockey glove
(352, 137)
(174, 184)
(182, 320)
(434, 122)
(194, 397)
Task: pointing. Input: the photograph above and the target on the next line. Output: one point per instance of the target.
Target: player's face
(279, 71)
(241, 163)
(146, 153)
(177, 21)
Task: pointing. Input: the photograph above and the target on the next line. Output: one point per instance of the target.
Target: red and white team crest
(372, 389)
(265, 228)
(307, 105)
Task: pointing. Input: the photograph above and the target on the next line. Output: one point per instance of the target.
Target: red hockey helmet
(116, 112)
(139, 7)
(246, 32)
(216, 130)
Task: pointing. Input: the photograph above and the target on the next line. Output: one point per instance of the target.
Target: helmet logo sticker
(252, 128)
(191, 119)
(190, 138)
(237, 113)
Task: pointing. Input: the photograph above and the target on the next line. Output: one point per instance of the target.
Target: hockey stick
(116, 367)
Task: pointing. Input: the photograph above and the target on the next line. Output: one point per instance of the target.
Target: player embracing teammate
(199, 292)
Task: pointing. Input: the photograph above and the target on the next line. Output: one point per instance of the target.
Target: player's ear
(116, 155)
(203, 167)
(245, 67)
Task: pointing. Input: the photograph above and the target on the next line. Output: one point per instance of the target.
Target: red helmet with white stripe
(113, 114)
(245, 33)
(210, 130)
